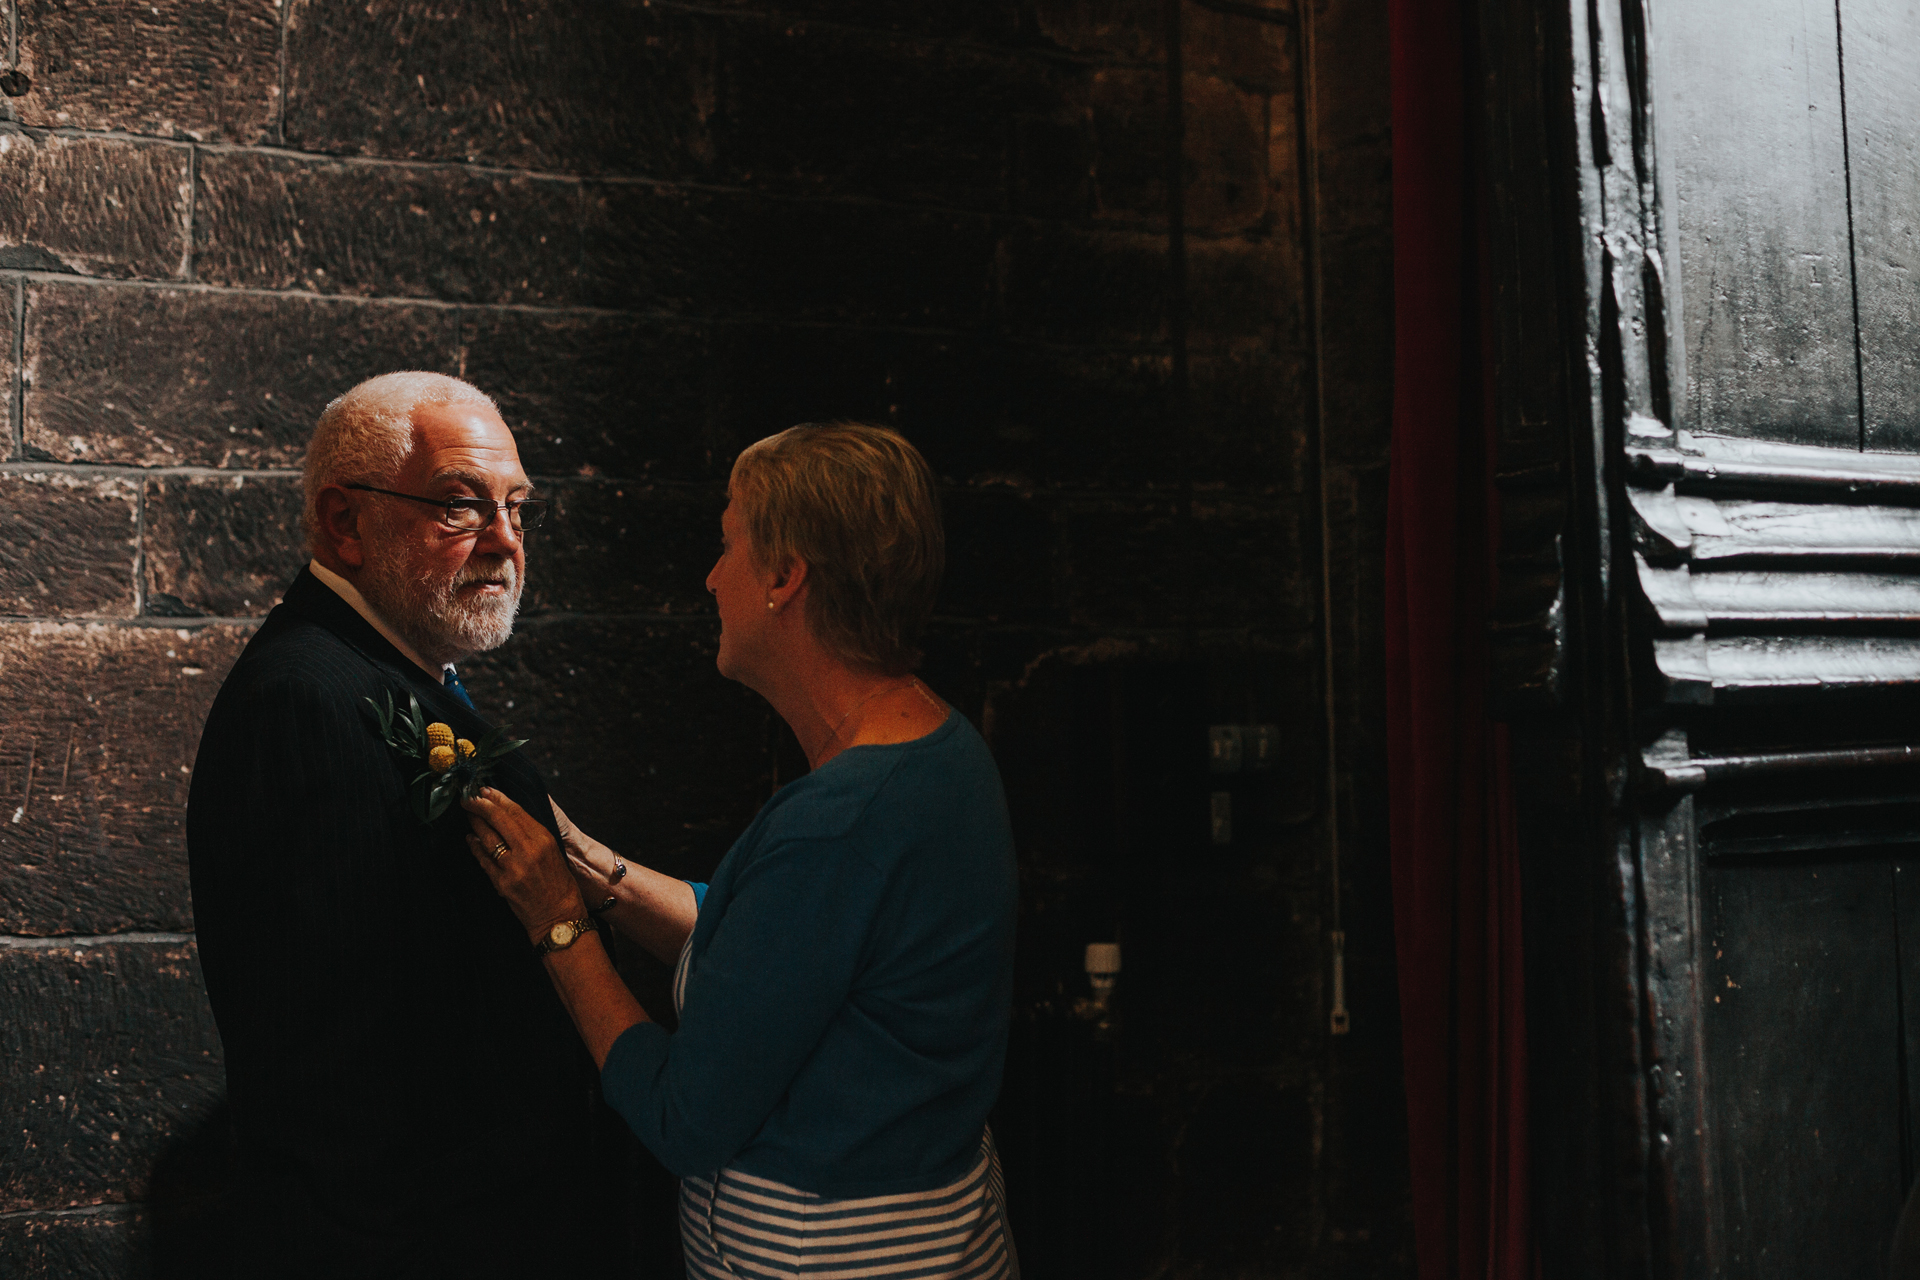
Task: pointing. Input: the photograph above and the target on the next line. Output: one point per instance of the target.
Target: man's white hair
(364, 436)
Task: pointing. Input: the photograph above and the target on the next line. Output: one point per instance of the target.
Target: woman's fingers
(497, 810)
(515, 825)
(523, 860)
(484, 832)
(592, 887)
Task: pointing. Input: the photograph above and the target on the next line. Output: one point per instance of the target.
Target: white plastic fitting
(1103, 968)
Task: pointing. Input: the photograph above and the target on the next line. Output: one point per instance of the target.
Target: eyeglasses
(470, 515)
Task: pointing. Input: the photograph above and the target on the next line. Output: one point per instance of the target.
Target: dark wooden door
(1785, 132)
(1712, 641)
(1804, 1063)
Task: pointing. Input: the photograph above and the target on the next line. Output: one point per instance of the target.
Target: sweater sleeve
(777, 970)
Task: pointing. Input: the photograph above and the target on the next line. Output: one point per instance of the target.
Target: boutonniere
(451, 767)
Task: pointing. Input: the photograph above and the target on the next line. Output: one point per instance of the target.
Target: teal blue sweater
(847, 992)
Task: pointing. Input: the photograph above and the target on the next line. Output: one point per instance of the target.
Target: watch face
(561, 934)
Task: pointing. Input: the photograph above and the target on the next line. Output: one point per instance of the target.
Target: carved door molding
(1707, 276)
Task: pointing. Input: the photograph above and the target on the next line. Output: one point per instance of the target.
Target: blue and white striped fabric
(735, 1225)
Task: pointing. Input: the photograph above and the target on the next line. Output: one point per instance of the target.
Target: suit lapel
(315, 601)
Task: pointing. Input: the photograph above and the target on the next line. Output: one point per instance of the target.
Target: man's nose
(499, 536)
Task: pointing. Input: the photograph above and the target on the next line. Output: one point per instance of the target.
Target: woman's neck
(835, 707)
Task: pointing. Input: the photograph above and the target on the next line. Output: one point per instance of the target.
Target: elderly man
(408, 1095)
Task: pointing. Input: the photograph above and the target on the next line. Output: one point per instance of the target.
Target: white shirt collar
(351, 594)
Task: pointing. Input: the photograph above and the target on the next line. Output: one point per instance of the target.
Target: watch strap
(584, 925)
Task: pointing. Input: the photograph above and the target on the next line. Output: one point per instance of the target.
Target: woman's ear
(787, 582)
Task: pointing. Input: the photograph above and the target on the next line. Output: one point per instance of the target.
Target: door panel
(1906, 891)
(1881, 48)
(1802, 1036)
(1748, 105)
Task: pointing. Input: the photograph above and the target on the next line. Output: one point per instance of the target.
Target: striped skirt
(734, 1224)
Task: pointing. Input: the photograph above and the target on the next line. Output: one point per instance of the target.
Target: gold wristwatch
(564, 935)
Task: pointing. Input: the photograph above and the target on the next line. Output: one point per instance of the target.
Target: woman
(844, 981)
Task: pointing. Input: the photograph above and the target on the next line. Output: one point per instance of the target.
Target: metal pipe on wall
(1306, 103)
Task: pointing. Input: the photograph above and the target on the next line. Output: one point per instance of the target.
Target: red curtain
(1456, 882)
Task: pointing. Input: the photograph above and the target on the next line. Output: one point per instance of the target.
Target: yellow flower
(440, 759)
(464, 747)
(439, 735)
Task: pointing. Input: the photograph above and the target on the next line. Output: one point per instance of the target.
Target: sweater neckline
(931, 738)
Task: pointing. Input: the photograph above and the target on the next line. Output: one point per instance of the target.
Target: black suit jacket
(409, 1094)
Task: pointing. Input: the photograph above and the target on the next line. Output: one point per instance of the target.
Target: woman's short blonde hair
(859, 505)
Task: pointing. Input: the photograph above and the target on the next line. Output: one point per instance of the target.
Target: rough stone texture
(622, 547)
(1228, 136)
(220, 545)
(1222, 44)
(131, 376)
(98, 730)
(1359, 382)
(202, 69)
(907, 120)
(92, 206)
(1230, 564)
(641, 740)
(1247, 293)
(528, 85)
(722, 253)
(113, 1054)
(275, 222)
(992, 411)
(597, 394)
(9, 306)
(67, 544)
(1245, 413)
(108, 1243)
(1066, 283)
(1003, 557)
(982, 410)
(1239, 292)
(663, 93)
(985, 21)
(948, 216)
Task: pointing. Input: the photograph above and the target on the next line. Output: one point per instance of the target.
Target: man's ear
(340, 527)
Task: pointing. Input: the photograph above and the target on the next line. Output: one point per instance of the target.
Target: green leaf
(437, 805)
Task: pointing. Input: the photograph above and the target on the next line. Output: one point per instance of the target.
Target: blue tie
(451, 679)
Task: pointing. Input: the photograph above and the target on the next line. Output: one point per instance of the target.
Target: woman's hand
(524, 862)
(595, 867)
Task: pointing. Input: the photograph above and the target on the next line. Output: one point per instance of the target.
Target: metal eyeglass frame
(522, 514)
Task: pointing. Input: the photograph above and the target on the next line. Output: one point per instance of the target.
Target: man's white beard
(430, 612)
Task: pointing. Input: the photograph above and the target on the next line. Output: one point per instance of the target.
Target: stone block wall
(656, 232)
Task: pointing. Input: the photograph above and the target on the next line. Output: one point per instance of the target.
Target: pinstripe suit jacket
(409, 1095)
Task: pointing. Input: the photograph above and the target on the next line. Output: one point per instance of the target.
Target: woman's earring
(769, 604)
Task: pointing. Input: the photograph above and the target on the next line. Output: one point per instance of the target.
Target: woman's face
(740, 590)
